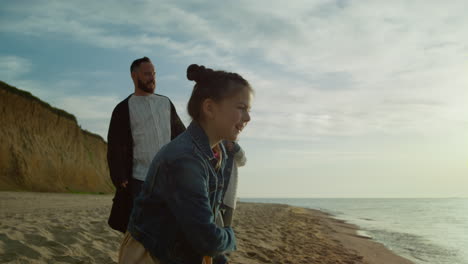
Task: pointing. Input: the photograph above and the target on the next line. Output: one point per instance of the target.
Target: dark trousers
(122, 205)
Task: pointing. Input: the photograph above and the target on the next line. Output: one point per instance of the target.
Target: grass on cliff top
(28, 95)
(60, 112)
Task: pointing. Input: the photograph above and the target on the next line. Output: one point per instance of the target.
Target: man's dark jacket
(120, 160)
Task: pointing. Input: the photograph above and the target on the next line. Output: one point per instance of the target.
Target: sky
(352, 98)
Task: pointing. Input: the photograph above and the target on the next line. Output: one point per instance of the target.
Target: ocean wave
(416, 248)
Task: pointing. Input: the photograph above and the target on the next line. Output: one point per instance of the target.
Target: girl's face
(232, 114)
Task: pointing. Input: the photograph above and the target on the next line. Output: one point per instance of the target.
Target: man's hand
(124, 184)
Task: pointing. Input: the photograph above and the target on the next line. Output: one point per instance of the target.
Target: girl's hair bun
(194, 72)
(198, 73)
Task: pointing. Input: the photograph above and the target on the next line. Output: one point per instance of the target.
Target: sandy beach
(72, 228)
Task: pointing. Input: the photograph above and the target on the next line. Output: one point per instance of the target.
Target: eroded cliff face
(44, 149)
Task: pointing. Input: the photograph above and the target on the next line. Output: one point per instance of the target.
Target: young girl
(173, 219)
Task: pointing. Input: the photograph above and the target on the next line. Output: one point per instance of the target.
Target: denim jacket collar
(200, 139)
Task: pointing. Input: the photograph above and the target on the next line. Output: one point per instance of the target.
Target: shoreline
(371, 250)
(315, 237)
(72, 228)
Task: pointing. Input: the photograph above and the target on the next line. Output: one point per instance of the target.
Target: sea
(429, 230)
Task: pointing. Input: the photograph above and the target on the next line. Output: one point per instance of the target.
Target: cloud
(326, 68)
(14, 66)
(346, 91)
(92, 112)
(136, 27)
(89, 107)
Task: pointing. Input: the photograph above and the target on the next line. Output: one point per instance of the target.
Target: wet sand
(72, 228)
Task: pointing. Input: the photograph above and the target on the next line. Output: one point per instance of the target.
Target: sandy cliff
(42, 148)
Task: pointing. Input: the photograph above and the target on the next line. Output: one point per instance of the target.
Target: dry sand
(72, 228)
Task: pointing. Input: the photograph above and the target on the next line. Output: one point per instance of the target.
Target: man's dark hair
(136, 63)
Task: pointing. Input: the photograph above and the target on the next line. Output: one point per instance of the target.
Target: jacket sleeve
(177, 126)
(117, 148)
(189, 202)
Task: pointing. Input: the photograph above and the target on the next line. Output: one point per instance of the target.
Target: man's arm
(177, 126)
(116, 149)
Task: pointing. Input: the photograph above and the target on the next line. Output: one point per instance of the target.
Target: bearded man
(140, 125)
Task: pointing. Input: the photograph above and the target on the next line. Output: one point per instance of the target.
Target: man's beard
(146, 87)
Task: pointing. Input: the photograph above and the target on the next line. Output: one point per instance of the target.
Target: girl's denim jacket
(174, 215)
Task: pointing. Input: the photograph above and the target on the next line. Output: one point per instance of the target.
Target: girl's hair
(215, 85)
